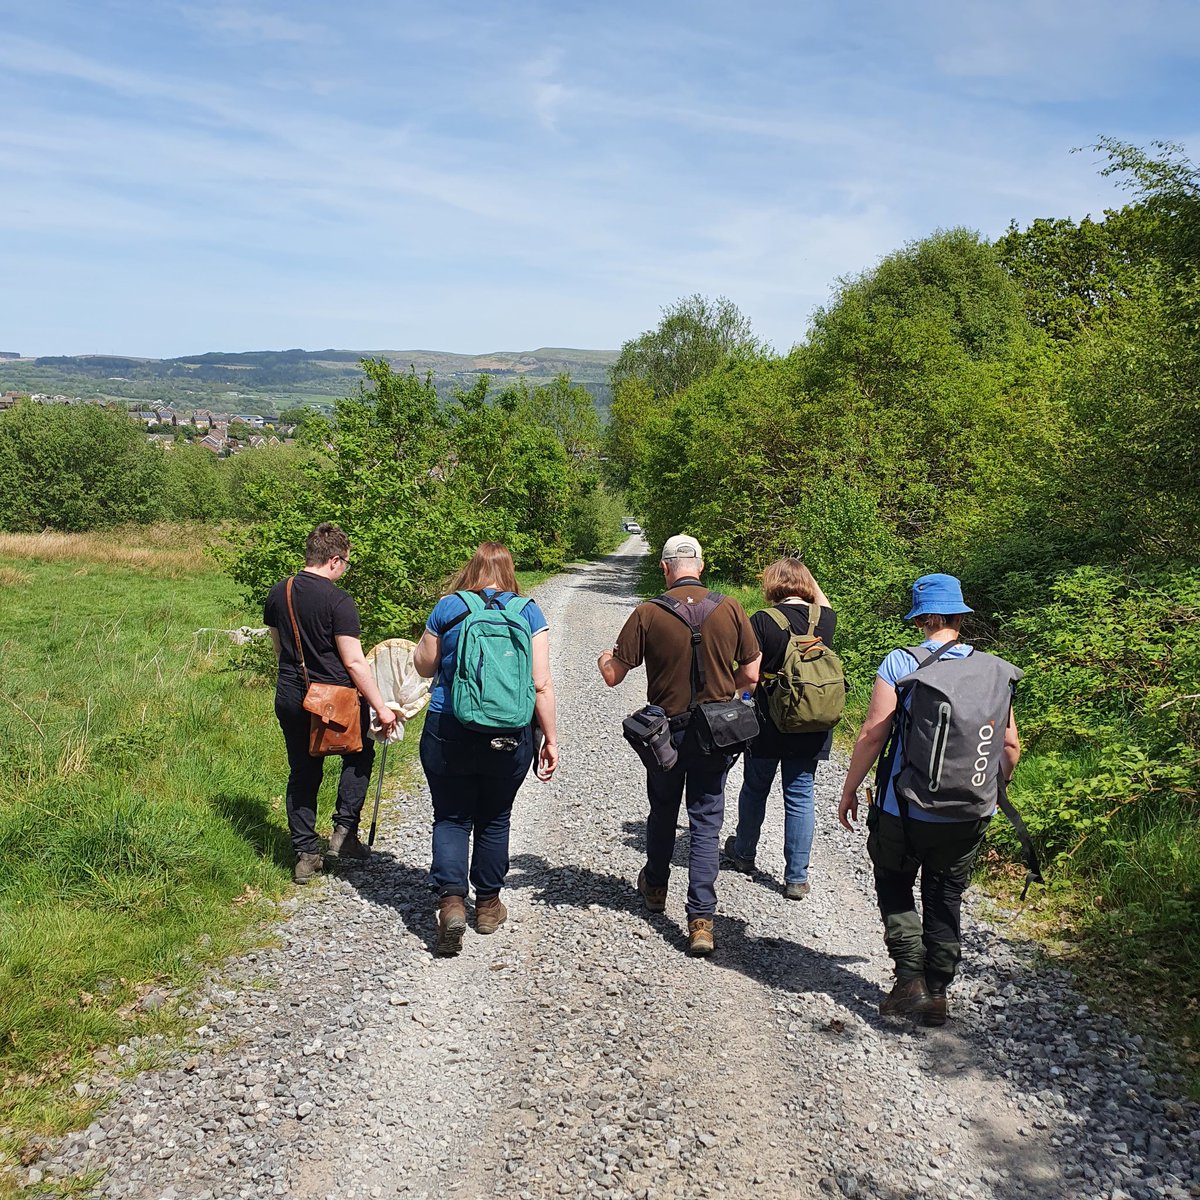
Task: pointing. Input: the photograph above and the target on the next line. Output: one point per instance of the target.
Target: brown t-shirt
(664, 643)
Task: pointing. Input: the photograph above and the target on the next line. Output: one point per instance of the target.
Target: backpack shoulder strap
(779, 619)
(472, 604)
(517, 605)
(925, 656)
(686, 613)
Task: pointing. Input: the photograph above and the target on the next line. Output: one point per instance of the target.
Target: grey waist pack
(951, 716)
(648, 731)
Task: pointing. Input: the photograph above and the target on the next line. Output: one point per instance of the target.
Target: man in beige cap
(676, 681)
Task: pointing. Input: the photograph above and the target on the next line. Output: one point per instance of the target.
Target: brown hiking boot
(490, 914)
(796, 891)
(655, 898)
(909, 997)
(344, 844)
(735, 860)
(451, 925)
(937, 1012)
(308, 866)
(700, 936)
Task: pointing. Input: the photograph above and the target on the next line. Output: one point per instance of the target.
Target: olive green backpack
(808, 692)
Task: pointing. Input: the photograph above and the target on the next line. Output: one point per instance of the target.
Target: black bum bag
(723, 726)
(719, 727)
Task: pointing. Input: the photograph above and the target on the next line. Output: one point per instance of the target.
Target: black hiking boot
(937, 1012)
(345, 846)
(735, 860)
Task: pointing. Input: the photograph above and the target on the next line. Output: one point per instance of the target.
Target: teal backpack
(493, 666)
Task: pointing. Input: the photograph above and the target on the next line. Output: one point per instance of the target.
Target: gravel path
(579, 1052)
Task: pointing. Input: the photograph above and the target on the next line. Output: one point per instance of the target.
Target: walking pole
(378, 789)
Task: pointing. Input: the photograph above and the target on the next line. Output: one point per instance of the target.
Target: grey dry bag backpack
(951, 714)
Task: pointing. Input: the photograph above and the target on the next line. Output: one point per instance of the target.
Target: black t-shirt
(770, 743)
(323, 612)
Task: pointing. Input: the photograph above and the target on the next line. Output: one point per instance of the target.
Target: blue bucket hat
(941, 594)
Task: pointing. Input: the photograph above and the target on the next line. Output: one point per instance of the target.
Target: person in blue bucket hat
(926, 947)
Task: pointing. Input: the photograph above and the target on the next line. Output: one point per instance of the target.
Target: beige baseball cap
(681, 546)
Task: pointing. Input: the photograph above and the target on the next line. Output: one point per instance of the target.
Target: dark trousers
(473, 787)
(700, 780)
(944, 854)
(305, 772)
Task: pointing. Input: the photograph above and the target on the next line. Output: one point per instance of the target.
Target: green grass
(141, 781)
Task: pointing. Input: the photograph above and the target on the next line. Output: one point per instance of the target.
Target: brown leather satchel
(334, 713)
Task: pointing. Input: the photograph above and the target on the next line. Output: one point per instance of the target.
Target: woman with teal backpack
(487, 649)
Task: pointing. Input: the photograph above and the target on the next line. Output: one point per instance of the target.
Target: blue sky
(182, 177)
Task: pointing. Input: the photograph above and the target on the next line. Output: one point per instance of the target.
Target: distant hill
(263, 380)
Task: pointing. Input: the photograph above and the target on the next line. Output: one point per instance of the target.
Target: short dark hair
(325, 542)
(935, 622)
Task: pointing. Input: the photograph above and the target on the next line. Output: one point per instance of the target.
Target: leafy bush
(418, 484)
(75, 467)
(1109, 704)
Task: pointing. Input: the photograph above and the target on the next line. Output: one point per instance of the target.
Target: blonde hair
(490, 566)
(788, 577)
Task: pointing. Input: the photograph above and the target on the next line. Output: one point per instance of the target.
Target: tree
(75, 467)
(262, 481)
(693, 338)
(194, 484)
(1075, 275)
(568, 411)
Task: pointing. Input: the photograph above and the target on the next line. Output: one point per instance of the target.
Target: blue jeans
(797, 811)
(473, 788)
(701, 778)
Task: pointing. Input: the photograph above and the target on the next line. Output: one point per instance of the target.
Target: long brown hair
(491, 565)
(788, 577)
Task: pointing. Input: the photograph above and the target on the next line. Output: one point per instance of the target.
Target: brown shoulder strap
(296, 631)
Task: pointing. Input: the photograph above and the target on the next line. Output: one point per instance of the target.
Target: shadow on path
(776, 962)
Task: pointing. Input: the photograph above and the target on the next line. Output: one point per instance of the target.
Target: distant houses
(221, 433)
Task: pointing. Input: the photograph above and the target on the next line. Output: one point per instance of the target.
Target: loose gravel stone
(579, 1052)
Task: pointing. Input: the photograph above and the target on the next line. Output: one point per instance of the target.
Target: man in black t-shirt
(328, 630)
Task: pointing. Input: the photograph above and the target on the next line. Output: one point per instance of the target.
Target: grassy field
(141, 818)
